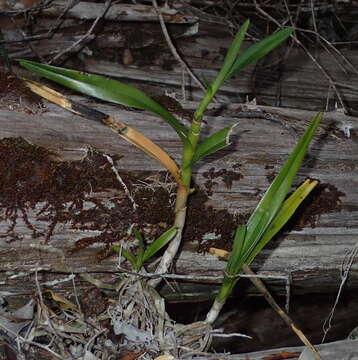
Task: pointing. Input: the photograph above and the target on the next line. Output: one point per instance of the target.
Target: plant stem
(214, 311)
(179, 222)
(183, 190)
(225, 291)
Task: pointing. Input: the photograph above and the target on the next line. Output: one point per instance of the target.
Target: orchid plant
(273, 210)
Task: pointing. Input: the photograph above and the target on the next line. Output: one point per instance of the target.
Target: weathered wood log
(345, 349)
(231, 182)
(117, 12)
(295, 88)
(278, 80)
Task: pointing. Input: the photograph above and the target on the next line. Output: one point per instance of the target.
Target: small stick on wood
(30, 45)
(172, 47)
(120, 180)
(308, 53)
(346, 267)
(263, 289)
(85, 36)
(51, 31)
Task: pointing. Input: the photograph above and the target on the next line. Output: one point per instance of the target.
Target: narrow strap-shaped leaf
(287, 209)
(106, 89)
(276, 193)
(233, 266)
(212, 144)
(128, 255)
(126, 132)
(231, 56)
(259, 50)
(239, 239)
(157, 244)
(141, 248)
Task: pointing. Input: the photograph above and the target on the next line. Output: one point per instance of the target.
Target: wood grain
(313, 256)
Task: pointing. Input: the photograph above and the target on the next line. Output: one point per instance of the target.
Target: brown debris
(325, 198)
(282, 355)
(227, 177)
(32, 179)
(93, 302)
(208, 226)
(65, 193)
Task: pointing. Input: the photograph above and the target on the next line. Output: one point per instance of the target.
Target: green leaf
(205, 82)
(212, 144)
(234, 62)
(233, 266)
(139, 237)
(157, 244)
(287, 209)
(239, 240)
(230, 57)
(106, 89)
(128, 255)
(258, 50)
(270, 215)
(141, 249)
(271, 202)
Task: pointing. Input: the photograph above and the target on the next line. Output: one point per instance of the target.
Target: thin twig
(327, 45)
(125, 188)
(298, 42)
(85, 36)
(29, 342)
(172, 47)
(29, 43)
(93, 338)
(76, 295)
(315, 61)
(199, 277)
(44, 308)
(314, 19)
(344, 276)
(220, 333)
(51, 31)
(262, 288)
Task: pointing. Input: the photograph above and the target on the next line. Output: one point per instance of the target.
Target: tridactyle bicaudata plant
(273, 210)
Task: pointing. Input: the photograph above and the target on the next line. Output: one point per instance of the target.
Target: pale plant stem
(173, 247)
(214, 311)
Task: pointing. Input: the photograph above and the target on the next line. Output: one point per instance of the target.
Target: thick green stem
(194, 132)
(184, 190)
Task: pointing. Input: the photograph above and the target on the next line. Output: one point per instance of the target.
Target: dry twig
(173, 49)
(344, 275)
(85, 36)
(263, 289)
(308, 53)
